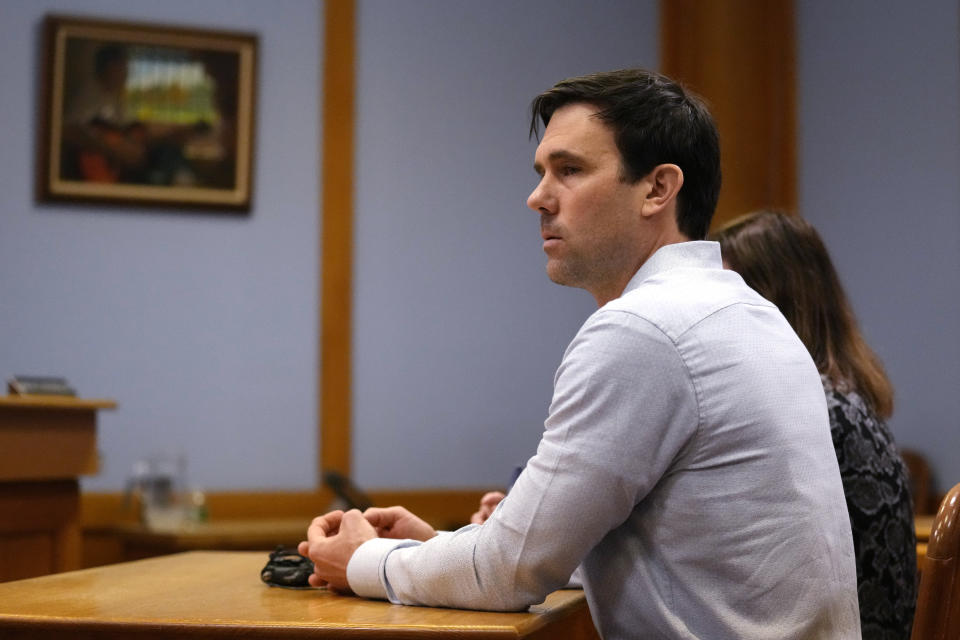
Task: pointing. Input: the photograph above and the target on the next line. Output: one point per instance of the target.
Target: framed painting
(147, 115)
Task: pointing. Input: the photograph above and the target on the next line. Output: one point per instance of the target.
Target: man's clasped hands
(333, 537)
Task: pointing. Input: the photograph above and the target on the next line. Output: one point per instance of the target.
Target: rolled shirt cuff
(366, 570)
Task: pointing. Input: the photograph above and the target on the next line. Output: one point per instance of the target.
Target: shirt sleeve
(623, 409)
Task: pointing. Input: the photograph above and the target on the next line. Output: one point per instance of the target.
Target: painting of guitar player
(147, 115)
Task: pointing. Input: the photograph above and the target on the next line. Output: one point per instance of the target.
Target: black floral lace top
(875, 483)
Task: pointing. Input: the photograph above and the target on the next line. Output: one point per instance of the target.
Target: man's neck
(603, 295)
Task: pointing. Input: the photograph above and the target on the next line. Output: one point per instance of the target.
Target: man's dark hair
(654, 121)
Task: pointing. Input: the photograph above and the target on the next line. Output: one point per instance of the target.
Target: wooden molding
(110, 532)
(740, 56)
(443, 508)
(336, 240)
(106, 510)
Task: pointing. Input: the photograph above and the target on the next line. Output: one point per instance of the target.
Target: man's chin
(558, 275)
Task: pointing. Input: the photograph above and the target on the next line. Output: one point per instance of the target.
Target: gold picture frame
(147, 114)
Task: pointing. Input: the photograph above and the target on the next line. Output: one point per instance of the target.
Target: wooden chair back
(938, 602)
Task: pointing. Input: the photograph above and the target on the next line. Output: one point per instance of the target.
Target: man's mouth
(550, 240)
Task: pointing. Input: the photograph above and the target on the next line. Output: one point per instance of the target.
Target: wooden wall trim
(443, 508)
(740, 56)
(336, 240)
(108, 521)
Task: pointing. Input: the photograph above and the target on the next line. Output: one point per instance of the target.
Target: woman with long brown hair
(783, 258)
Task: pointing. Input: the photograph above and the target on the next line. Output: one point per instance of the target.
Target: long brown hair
(783, 258)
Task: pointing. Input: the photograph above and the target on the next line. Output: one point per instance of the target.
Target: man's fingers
(384, 519)
(380, 517)
(375, 516)
(355, 522)
(325, 526)
(491, 499)
(303, 548)
(488, 503)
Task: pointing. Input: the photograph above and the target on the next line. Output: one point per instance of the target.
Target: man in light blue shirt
(686, 464)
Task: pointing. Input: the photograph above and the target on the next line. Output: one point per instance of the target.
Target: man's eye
(569, 170)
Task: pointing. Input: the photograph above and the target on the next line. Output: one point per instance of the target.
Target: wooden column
(336, 239)
(739, 55)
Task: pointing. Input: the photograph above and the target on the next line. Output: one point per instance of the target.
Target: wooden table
(203, 595)
(46, 442)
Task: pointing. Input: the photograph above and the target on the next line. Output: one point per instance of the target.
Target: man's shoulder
(677, 300)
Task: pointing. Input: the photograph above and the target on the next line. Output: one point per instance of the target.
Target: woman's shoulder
(845, 403)
(863, 441)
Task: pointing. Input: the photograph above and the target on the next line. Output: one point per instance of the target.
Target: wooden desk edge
(28, 628)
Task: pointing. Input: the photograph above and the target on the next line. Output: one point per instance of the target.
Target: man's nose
(540, 199)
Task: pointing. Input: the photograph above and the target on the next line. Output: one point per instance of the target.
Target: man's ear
(663, 185)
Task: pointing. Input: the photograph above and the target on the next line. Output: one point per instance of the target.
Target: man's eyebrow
(554, 156)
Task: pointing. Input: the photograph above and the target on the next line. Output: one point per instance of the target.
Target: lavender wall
(202, 327)
(458, 331)
(879, 87)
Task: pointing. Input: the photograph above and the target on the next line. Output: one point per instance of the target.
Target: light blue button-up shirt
(686, 465)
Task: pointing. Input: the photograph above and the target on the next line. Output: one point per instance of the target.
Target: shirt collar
(703, 254)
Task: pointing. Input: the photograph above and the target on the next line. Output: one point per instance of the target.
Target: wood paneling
(443, 508)
(26, 555)
(39, 528)
(110, 533)
(739, 55)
